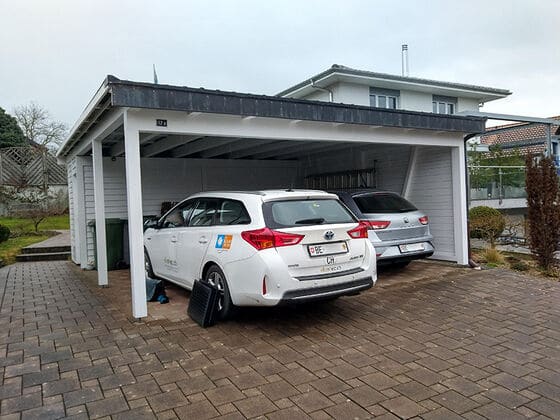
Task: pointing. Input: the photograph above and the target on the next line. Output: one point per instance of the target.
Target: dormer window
(384, 98)
(444, 104)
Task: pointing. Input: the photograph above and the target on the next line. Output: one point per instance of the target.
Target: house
(524, 138)
(341, 84)
(137, 145)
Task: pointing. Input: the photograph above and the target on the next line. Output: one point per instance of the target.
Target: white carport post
(99, 198)
(135, 216)
(458, 169)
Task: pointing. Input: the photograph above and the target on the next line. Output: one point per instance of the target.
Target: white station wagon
(262, 248)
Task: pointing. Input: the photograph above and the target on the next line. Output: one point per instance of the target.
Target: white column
(99, 198)
(413, 158)
(460, 205)
(135, 219)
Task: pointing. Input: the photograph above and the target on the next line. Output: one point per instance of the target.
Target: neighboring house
(524, 138)
(341, 84)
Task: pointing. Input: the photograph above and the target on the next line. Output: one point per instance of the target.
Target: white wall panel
(431, 190)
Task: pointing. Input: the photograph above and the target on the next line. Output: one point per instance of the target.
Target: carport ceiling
(206, 147)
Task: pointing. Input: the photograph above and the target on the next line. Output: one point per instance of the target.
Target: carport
(137, 145)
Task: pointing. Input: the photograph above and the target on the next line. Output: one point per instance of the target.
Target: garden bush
(4, 233)
(486, 223)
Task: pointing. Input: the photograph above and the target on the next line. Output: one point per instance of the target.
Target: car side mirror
(151, 224)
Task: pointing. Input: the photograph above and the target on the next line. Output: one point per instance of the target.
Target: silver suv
(399, 232)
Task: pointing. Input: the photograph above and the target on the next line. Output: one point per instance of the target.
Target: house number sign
(161, 123)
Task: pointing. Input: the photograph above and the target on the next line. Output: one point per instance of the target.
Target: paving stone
(545, 406)
(247, 380)
(200, 410)
(139, 413)
(167, 400)
(506, 397)
(50, 411)
(455, 402)
(169, 375)
(141, 389)
(347, 410)
(311, 401)
(197, 384)
(82, 396)
(330, 385)
(60, 386)
(106, 407)
(378, 381)
(255, 406)
(224, 394)
(403, 407)
(497, 411)
(17, 404)
(415, 391)
(289, 413)
(278, 390)
(117, 380)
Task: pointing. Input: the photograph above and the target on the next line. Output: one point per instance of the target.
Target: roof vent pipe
(314, 86)
(405, 60)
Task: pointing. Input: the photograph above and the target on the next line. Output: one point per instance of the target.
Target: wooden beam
(230, 149)
(166, 144)
(275, 145)
(200, 145)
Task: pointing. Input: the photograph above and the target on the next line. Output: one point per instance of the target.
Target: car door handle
(202, 240)
(173, 239)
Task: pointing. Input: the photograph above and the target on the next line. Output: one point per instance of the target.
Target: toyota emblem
(329, 234)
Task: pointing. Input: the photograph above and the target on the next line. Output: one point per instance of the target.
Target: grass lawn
(12, 247)
(26, 225)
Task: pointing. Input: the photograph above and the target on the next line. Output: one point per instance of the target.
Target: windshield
(383, 203)
(290, 213)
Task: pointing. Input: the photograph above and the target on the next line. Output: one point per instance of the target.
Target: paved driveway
(458, 344)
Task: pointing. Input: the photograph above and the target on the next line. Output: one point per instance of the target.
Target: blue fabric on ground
(154, 288)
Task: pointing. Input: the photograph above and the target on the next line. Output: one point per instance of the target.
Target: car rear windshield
(291, 213)
(383, 203)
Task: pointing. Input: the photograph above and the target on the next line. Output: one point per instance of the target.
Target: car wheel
(215, 277)
(149, 271)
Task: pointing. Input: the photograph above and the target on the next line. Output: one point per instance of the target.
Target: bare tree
(37, 125)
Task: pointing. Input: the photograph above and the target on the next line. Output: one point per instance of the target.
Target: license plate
(318, 250)
(411, 247)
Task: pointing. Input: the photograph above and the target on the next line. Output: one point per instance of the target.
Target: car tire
(215, 277)
(148, 269)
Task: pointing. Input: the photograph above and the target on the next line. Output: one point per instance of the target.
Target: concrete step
(44, 256)
(45, 249)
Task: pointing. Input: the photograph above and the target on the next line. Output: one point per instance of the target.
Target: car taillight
(376, 224)
(423, 220)
(359, 232)
(266, 238)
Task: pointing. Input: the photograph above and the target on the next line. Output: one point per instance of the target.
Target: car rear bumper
(325, 292)
(392, 253)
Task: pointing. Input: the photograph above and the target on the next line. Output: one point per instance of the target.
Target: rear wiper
(316, 221)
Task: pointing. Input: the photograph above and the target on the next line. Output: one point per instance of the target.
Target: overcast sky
(57, 52)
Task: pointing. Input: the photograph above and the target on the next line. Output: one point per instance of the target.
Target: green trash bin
(114, 236)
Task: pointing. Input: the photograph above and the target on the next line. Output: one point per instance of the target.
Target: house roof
(527, 136)
(115, 93)
(337, 71)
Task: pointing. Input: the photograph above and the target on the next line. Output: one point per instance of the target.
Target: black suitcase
(203, 304)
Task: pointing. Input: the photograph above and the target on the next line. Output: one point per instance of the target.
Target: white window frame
(449, 104)
(389, 94)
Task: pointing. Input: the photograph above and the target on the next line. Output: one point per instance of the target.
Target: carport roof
(115, 93)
